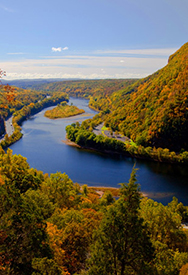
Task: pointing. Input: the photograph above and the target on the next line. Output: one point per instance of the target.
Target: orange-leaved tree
(7, 93)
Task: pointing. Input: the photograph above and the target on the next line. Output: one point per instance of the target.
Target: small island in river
(63, 110)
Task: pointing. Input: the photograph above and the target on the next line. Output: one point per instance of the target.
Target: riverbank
(23, 114)
(89, 140)
(70, 143)
(100, 190)
(73, 144)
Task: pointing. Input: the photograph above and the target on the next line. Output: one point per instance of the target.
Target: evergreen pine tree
(122, 245)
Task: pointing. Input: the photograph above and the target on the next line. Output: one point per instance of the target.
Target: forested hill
(83, 88)
(154, 111)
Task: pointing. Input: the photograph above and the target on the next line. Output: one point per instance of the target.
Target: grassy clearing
(104, 128)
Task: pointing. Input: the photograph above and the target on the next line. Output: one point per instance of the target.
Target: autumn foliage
(50, 225)
(7, 93)
(154, 111)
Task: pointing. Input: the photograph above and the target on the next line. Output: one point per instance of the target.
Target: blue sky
(89, 38)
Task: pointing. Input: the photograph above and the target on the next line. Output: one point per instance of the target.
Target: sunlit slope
(154, 111)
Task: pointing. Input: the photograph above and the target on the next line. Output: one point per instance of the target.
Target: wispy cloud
(6, 9)
(18, 53)
(139, 52)
(83, 66)
(90, 65)
(59, 49)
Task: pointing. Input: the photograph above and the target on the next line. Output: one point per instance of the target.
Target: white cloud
(59, 49)
(122, 61)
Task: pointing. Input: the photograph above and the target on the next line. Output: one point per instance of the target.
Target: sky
(89, 39)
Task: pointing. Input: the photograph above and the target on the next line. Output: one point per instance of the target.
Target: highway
(9, 128)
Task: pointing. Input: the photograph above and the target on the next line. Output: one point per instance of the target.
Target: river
(43, 147)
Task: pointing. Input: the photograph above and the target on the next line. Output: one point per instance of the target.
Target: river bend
(43, 147)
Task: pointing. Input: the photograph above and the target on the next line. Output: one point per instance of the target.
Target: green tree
(164, 223)
(24, 232)
(122, 245)
(17, 172)
(107, 199)
(60, 190)
(45, 266)
(167, 261)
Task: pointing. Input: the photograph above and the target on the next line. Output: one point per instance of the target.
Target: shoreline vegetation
(19, 116)
(63, 110)
(88, 140)
(115, 191)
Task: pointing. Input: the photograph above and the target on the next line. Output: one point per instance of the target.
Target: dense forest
(50, 225)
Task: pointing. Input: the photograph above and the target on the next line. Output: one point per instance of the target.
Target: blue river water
(44, 149)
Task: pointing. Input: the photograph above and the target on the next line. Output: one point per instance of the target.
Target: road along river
(43, 147)
(9, 128)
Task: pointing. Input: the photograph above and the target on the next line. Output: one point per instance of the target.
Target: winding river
(43, 147)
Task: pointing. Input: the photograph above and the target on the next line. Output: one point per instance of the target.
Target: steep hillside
(154, 111)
